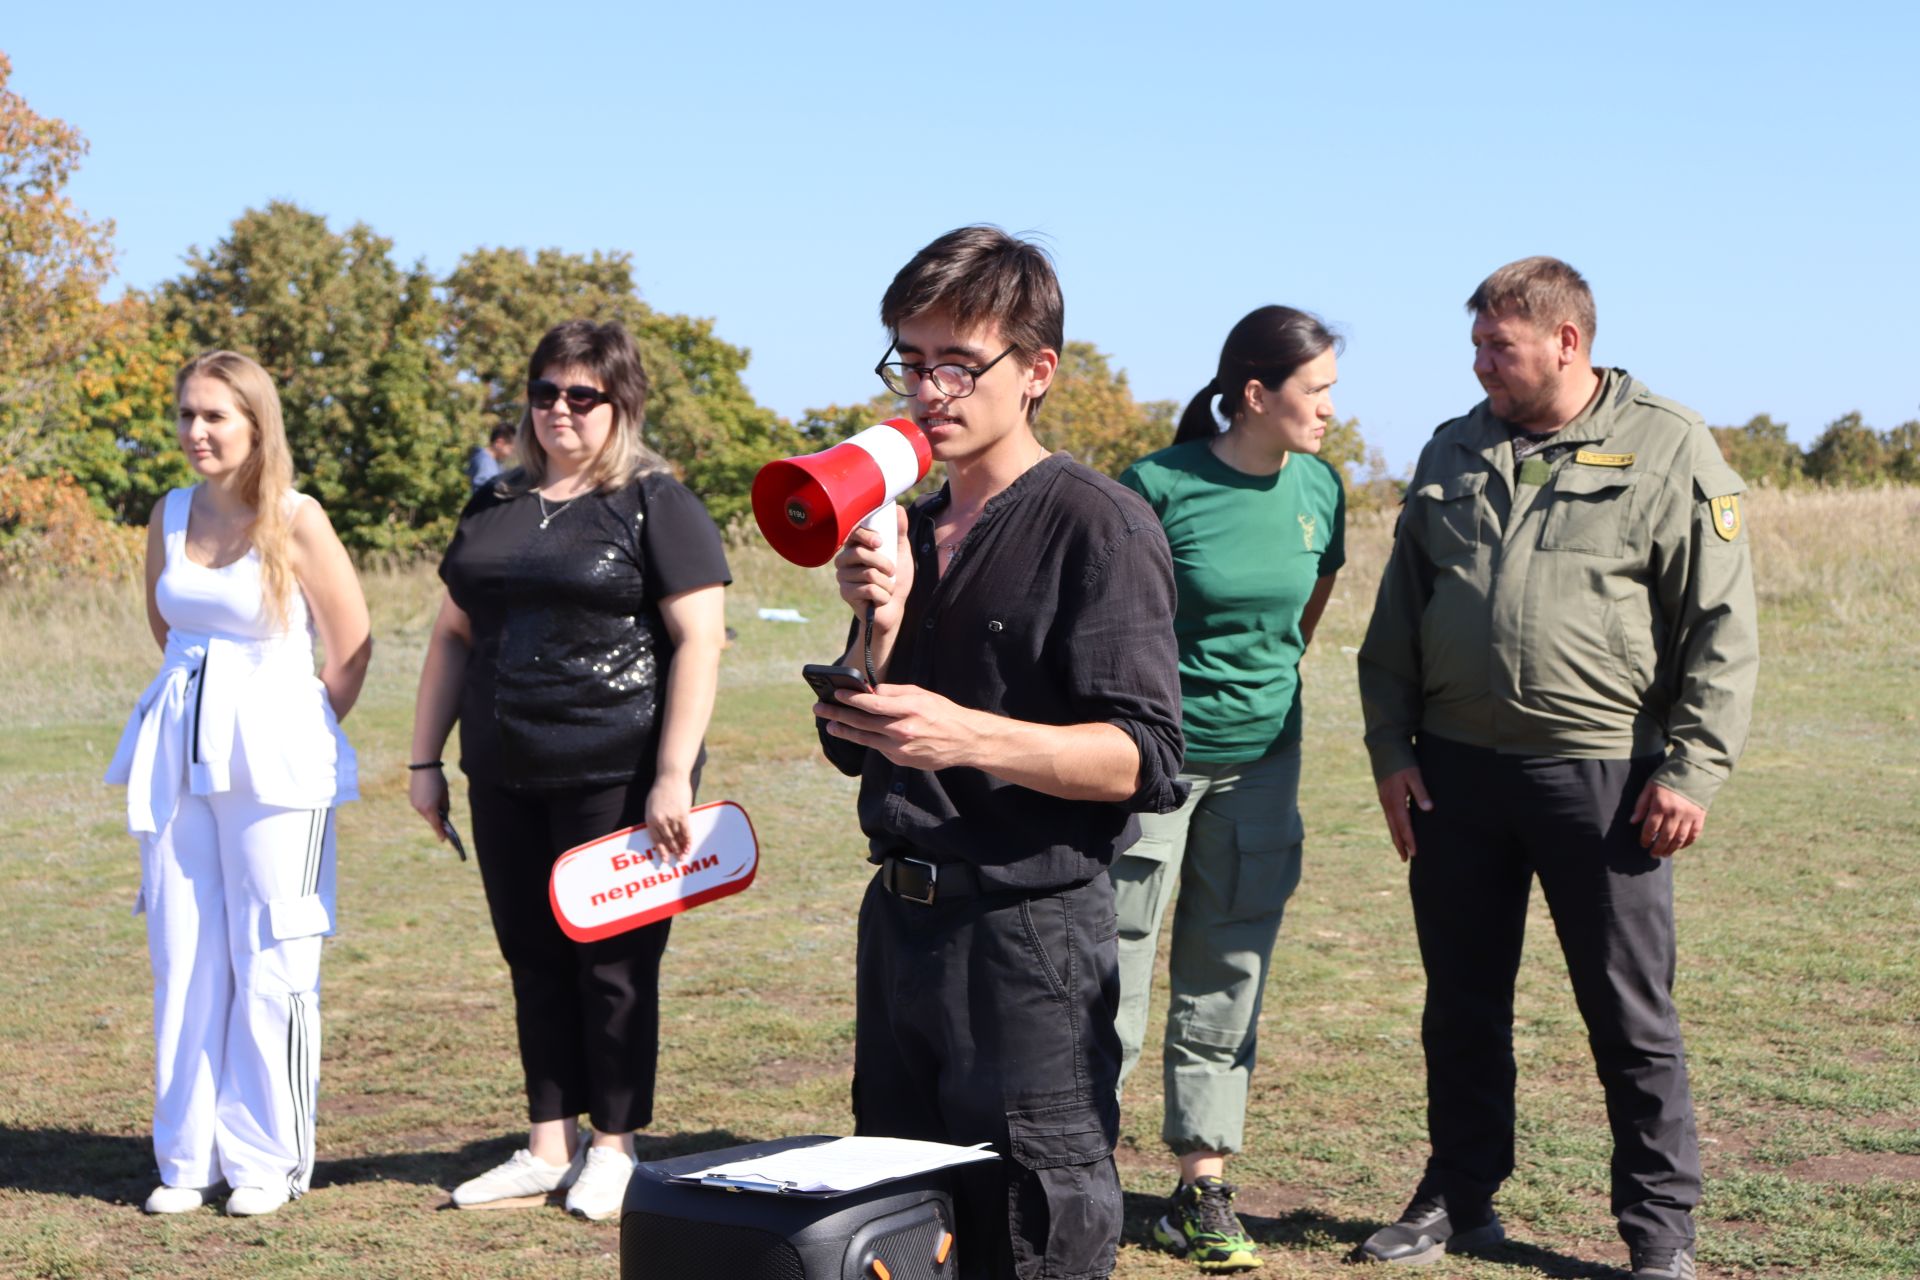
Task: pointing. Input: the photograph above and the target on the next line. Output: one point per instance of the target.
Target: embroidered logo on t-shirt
(1307, 525)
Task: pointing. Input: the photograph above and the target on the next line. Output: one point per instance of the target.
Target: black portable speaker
(899, 1230)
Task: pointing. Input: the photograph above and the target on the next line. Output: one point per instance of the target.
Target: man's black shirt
(1057, 608)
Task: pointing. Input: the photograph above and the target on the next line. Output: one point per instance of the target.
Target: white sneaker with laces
(523, 1182)
(601, 1187)
(167, 1199)
(251, 1202)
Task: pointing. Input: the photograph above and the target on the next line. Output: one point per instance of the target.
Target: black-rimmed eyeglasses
(950, 380)
(543, 395)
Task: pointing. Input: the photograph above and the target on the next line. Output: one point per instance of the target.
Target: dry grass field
(1799, 979)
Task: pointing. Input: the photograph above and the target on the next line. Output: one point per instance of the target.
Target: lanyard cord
(871, 682)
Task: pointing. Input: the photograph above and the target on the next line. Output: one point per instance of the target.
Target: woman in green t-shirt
(1257, 525)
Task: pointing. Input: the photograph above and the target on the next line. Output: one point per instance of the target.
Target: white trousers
(237, 895)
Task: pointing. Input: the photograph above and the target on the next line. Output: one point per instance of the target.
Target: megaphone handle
(884, 522)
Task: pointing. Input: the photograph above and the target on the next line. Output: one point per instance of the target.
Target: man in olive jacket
(1556, 680)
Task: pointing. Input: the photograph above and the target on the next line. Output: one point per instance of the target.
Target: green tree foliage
(1849, 452)
(1761, 452)
(1370, 486)
(53, 261)
(1090, 412)
(700, 415)
(1904, 444)
(378, 422)
(820, 428)
(111, 421)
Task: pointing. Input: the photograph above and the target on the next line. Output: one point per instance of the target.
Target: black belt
(917, 880)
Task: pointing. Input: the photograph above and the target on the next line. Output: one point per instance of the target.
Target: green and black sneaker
(1200, 1224)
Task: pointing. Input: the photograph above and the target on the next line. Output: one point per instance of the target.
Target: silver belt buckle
(933, 878)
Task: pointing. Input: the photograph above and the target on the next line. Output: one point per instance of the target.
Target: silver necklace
(548, 517)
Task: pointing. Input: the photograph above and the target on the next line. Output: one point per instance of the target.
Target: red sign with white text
(621, 882)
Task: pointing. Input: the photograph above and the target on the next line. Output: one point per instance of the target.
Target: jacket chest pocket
(1450, 517)
(1590, 512)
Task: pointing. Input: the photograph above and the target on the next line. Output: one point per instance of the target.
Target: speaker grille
(910, 1252)
(655, 1247)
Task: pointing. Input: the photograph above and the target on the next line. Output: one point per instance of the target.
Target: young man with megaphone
(1027, 706)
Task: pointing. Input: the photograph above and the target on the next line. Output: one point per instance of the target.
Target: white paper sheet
(845, 1164)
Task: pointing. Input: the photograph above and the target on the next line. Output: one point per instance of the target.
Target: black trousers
(990, 1019)
(1498, 821)
(588, 1013)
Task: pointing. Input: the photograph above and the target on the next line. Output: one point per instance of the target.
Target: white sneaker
(601, 1187)
(251, 1202)
(521, 1183)
(167, 1199)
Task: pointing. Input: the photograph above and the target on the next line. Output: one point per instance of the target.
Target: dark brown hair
(980, 274)
(1268, 344)
(1545, 291)
(606, 352)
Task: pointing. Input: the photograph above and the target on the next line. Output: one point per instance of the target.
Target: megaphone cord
(868, 652)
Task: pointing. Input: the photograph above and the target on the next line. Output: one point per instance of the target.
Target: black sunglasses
(542, 394)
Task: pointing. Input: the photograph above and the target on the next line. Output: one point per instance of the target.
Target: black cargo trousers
(1498, 821)
(988, 1017)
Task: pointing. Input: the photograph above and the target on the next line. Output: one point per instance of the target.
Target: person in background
(484, 464)
(578, 646)
(233, 760)
(1256, 524)
(1556, 682)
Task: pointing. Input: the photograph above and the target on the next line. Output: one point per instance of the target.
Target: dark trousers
(990, 1019)
(588, 1012)
(1498, 821)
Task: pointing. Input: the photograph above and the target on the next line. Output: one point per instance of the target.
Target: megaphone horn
(808, 506)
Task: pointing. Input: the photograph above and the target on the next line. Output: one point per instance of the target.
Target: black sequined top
(565, 684)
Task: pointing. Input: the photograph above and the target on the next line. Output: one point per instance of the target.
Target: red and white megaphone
(808, 506)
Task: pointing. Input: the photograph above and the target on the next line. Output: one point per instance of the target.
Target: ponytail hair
(266, 477)
(1269, 344)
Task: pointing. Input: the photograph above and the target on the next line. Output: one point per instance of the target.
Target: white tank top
(226, 601)
(236, 706)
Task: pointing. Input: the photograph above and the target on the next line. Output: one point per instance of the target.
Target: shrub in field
(378, 422)
(49, 528)
(700, 415)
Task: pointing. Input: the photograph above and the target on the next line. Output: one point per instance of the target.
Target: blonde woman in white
(233, 761)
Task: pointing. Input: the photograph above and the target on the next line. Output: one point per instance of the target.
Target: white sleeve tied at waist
(216, 696)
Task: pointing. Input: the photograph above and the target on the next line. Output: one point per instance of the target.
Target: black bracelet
(430, 764)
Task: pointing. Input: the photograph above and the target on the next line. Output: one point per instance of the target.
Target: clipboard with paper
(835, 1167)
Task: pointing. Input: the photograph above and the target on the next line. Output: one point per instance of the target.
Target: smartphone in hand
(453, 837)
(823, 680)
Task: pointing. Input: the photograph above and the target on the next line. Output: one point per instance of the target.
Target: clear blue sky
(1741, 184)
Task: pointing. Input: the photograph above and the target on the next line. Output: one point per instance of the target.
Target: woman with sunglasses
(233, 761)
(1257, 527)
(578, 646)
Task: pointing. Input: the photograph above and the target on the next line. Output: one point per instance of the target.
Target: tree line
(390, 374)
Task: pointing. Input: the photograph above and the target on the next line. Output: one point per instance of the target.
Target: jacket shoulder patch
(1726, 516)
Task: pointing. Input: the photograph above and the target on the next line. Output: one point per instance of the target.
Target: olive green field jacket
(1605, 612)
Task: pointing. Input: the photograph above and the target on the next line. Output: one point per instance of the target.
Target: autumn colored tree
(1090, 412)
(111, 420)
(1761, 452)
(377, 419)
(700, 415)
(53, 260)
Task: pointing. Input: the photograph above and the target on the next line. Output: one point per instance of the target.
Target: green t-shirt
(1247, 551)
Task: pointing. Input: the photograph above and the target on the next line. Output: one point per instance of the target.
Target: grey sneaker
(167, 1199)
(522, 1182)
(601, 1189)
(1426, 1233)
(1654, 1262)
